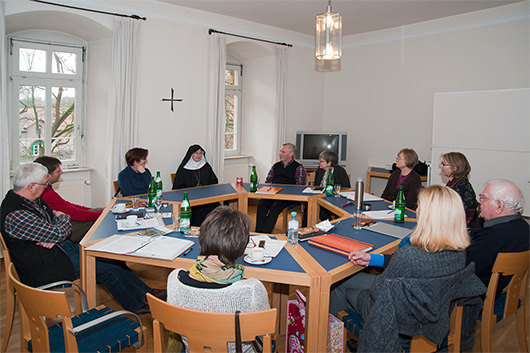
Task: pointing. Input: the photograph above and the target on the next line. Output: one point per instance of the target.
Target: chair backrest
(508, 264)
(32, 300)
(117, 190)
(208, 330)
(173, 178)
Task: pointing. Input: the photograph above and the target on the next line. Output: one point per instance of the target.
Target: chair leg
(143, 348)
(521, 328)
(485, 334)
(10, 316)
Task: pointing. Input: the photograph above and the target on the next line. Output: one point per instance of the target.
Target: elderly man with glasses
(501, 206)
(37, 241)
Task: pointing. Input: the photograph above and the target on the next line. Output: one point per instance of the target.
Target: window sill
(227, 158)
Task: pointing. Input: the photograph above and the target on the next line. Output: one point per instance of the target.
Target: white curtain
(4, 125)
(216, 104)
(122, 132)
(280, 109)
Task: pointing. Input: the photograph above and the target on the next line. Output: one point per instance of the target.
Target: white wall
(384, 94)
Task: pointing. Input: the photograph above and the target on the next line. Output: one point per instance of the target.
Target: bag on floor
(295, 337)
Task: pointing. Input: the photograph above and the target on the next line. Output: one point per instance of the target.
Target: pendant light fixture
(328, 35)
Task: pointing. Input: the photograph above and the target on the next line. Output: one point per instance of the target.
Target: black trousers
(268, 212)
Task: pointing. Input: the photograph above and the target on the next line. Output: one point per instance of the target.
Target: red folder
(339, 244)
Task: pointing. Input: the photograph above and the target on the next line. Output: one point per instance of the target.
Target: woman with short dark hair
(327, 163)
(404, 176)
(215, 282)
(456, 168)
(135, 178)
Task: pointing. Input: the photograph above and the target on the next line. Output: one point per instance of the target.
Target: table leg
(312, 208)
(280, 296)
(242, 201)
(316, 322)
(88, 277)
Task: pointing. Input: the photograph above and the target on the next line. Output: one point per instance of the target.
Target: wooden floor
(504, 334)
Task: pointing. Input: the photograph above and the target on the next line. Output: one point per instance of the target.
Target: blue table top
(283, 262)
(329, 260)
(196, 193)
(376, 206)
(286, 189)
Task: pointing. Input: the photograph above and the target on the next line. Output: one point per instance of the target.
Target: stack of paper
(272, 246)
(350, 195)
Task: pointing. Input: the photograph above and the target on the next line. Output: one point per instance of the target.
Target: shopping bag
(295, 337)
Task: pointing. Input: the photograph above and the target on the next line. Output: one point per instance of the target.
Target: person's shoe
(159, 293)
(352, 345)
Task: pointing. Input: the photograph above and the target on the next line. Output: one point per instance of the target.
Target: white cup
(131, 220)
(120, 207)
(257, 254)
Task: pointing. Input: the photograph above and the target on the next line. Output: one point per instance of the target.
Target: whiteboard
(492, 129)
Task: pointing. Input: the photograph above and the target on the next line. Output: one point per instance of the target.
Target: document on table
(389, 229)
(350, 195)
(313, 190)
(161, 247)
(140, 224)
(272, 246)
(383, 214)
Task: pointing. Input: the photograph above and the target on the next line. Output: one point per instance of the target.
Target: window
(233, 109)
(46, 101)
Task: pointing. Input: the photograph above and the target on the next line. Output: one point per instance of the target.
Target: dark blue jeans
(124, 286)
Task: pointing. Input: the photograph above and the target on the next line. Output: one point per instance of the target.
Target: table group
(298, 265)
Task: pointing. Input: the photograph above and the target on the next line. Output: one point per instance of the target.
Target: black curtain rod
(210, 31)
(135, 17)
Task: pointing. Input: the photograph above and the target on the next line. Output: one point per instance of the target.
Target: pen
(188, 251)
(347, 203)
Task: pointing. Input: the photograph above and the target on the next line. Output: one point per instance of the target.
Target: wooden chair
(512, 300)
(352, 323)
(208, 331)
(172, 178)
(114, 332)
(117, 190)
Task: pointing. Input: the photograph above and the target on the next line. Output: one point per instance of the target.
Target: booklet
(339, 244)
(268, 190)
(159, 247)
(313, 190)
(389, 229)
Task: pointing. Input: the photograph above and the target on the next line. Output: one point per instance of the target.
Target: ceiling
(358, 16)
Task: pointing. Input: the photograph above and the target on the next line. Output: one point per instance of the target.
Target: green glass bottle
(151, 193)
(253, 180)
(185, 215)
(399, 211)
(329, 183)
(158, 184)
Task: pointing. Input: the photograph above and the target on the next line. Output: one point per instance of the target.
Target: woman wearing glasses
(406, 160)
(456, 168)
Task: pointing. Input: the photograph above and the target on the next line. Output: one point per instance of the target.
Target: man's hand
(58, 213)
(359, 258)
(46, 245)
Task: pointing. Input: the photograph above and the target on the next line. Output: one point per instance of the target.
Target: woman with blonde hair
(420, 280)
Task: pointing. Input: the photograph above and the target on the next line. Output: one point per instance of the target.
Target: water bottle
(185, 215)
(158, 185)
(330, 183)
(399, 210)
(151, 194)
(253, 180)
(292, 233)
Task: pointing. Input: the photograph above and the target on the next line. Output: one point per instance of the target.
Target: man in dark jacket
(501, 205)
(37, 241)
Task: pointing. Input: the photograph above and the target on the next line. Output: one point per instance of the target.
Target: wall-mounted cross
(172, 99)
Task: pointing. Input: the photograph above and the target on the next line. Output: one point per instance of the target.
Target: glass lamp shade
(328, 36)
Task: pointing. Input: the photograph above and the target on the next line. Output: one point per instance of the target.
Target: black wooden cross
(172, 99)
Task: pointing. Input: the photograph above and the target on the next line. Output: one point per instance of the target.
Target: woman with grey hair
(405, 175)
(327, 163)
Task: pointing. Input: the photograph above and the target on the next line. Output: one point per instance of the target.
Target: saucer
(266, 260)
(114, 210)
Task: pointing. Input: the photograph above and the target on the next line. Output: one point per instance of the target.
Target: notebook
(339, 244)
(389, 229)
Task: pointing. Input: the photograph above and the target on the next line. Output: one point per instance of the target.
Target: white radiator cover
(74, 191)
(233, 171)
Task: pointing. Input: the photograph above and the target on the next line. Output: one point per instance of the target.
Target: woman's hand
(359, 258)
(138, 167)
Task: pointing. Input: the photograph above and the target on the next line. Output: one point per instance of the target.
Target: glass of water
(158, 204)
(336, 188)
(134, 203)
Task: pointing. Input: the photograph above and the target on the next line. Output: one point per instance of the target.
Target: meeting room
(318, 176)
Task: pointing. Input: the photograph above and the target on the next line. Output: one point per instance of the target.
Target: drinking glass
(158, 204)
(336, 188)
(358, 217)
(134, 203)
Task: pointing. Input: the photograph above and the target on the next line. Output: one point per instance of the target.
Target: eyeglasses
(483, 197)
(399, 159)
(445, 164)
(42, 184)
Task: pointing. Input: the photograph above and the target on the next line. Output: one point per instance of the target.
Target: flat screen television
(309, 144)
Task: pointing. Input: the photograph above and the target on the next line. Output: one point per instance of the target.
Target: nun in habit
(195, 171)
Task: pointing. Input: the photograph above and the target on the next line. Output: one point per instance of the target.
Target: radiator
(72, 190)
(233, 171)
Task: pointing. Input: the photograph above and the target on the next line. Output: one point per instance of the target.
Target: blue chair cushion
(109, 336)
(498, 307)
(352, 322)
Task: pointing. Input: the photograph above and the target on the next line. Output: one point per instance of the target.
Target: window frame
(49, 80)
(236, 90)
